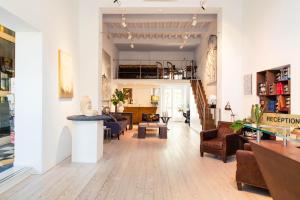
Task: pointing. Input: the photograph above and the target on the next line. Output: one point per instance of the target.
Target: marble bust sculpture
(86, 107)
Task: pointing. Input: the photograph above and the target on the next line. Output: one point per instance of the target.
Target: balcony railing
(153, 69)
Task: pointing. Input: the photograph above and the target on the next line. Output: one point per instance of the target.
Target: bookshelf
(274, 89)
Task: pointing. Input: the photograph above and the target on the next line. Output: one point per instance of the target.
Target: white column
(87, 141)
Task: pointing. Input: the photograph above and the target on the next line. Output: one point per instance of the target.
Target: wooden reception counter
(138, 111)
(280, 167)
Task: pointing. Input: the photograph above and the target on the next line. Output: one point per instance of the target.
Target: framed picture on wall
(248, 84)
(65, 75)
(128, 92)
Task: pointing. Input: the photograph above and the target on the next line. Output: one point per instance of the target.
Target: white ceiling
(151, 32)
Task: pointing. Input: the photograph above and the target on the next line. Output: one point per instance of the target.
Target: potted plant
(117, 98)
(256, 116)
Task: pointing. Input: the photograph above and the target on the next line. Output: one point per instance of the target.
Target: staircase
(204, 111)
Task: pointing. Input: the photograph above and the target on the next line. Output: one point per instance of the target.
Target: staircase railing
(204, 111)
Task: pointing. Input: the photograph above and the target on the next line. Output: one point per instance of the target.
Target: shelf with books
(274, 89)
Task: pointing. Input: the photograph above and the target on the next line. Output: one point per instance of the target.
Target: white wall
(110, 71)
(43, 136)
(111, 49)
(201, 60)
(271, 39)
(141, 94)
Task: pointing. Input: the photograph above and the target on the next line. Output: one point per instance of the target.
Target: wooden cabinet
(138, 111)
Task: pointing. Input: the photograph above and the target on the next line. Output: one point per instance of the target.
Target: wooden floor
(141, 169)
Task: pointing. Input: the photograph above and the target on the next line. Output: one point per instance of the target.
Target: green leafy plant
(237, 125)
(117, 97)
(258, 113)
(256, 116)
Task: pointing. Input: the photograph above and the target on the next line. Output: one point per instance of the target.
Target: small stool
(107, 133)
(142, 132)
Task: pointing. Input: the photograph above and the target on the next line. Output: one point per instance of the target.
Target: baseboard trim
(13, 176)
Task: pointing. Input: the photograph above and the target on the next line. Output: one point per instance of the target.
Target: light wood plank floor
(141, 169)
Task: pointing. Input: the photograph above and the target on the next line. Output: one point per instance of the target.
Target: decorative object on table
(258, 112)
(212, 101)
(237, 125)
(86, 107)
(65, 75)
(228, 108)
(106, 110)
(150, 117)
(165, 114)
(118, 99)
(186, 115)
(248, 84)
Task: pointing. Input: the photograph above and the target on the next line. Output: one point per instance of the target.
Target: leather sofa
(248, 171)
(221, 141)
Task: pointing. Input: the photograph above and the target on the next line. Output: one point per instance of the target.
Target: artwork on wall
(211, 60)
(248, 84)
(106, 76)
(65, 75)
(128, 94)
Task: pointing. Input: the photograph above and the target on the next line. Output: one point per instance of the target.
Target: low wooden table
(163, 130)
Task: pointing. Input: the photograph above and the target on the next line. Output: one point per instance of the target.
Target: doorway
(175, 102)
(7, 97)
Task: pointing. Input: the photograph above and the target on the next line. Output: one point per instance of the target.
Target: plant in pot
(118, 98)
(256, 115)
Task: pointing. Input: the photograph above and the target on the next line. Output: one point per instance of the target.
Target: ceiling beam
(157, 18)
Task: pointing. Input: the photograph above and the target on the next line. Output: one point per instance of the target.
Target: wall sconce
(228, 108)
(154, 100)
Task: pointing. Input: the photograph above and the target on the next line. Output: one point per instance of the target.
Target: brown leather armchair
(221, 141)
(247, 171)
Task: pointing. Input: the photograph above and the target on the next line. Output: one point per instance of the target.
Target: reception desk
(280, 167)
(138, 111)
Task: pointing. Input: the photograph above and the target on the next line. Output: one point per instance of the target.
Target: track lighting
(194, 23)
(132, 45)
(124, 21)
(202, 4)
(186, 36)
(129, 36)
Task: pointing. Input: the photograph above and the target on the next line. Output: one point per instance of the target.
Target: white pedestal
(87, 141)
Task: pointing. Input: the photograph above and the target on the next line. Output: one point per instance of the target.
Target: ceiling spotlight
(186, 36)
(132, 45)
(202, 4)
(181, 46)
(129, 36)
(194, 23)
(124, 21)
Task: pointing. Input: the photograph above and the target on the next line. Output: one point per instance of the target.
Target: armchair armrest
(209, 134)
(232, 143)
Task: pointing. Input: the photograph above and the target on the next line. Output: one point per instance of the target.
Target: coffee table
(142, 129)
